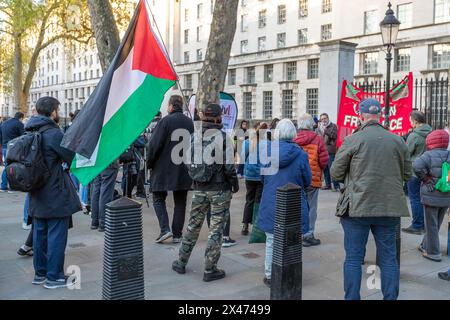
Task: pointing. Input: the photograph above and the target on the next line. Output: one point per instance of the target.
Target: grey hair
(285, 130)
(306, 122)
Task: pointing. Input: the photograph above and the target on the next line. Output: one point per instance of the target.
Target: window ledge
(434, 70)
(249, 85)
(289, 81)
(371, 75)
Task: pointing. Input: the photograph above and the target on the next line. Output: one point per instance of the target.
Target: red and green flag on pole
(125, 100)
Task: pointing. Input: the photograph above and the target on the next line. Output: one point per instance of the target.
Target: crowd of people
(308, 156)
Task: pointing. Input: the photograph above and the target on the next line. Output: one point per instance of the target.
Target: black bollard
(286, 279)
(123, 261)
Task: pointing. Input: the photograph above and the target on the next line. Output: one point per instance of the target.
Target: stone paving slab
(244, 263)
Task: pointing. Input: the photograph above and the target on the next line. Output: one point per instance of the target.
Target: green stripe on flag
(126, 125)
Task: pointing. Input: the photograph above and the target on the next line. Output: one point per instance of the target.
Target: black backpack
(201, 172)
(26, 169)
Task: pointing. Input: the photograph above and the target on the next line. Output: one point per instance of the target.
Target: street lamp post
(389, 31)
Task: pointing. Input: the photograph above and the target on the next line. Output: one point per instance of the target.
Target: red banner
(400, 107)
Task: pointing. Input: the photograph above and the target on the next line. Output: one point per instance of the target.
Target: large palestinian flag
(124, 102)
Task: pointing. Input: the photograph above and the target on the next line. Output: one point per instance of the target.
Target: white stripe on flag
(124, 83)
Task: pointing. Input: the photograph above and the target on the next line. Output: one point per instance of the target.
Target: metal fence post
(286, 280)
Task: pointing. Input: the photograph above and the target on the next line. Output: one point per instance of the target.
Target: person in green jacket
(373, 164)
(416, 147)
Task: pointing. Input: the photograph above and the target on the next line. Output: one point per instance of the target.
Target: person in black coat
(51, 207)
(10, 130)
(166, 175)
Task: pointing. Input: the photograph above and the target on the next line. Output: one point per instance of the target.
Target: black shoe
(177, 267)
(214, 274)
(22, 252)
(310, 242)
(101, 229)
(412, 230)
(164, 236)
(444, 276)
(267, 282)
(326, 188)
(228, 242)
(94, 227)
(244, 231)
(141, 195)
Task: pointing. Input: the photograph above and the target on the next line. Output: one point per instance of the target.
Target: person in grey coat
(428, 168)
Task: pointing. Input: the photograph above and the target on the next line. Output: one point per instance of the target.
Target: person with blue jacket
(253, 184)
(293, 167)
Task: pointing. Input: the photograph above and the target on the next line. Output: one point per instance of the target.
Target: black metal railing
(429, 96)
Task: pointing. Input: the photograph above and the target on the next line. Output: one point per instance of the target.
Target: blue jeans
(416, 205)
(25, 208)
(326, 173)
(102, 193)
(269, 255)
(49, 245)
(4, 185)
(356, 233)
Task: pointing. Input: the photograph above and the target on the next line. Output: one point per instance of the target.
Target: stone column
(337, 63)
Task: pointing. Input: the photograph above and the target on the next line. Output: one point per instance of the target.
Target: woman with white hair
(293, 168)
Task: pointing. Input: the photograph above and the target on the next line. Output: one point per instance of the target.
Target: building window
(291, 70)
(186, 36)
(303, 8)
(281, 40)
(268, 73)
(186, 15)
(261, 43)
(247, 97)
(186, 57)
(262, 19)
(199, 55)
(188, 81)
(441, 11)
(312, 101)
(250, 75)
(232, 77)
(244, 46)
(404, 15)
(313, 69)
(326, 6)
(303, 36)
(441, 56)
(402, 59)
(326, 32)
(287, 103)
(281, 14)
(244, 24)
(370, 62)
(199, 33)
(199, 10)
(371, 23)
(267, 105)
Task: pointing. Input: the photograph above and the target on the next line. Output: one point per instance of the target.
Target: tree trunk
(18, 74)
(105, 30)
(214, 70)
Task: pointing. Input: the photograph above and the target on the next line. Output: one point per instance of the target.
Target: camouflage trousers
(218, 202)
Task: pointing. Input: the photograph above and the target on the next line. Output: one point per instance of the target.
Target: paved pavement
(244, 263)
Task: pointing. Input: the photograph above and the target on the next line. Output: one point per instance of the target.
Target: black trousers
(253, 195)
(29, 241)
(179, 212)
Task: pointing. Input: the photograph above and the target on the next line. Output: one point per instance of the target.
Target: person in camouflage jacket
(215, 196)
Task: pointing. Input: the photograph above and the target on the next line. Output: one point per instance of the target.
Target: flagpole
(170, 61)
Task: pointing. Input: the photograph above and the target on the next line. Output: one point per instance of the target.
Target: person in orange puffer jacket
(318, 157)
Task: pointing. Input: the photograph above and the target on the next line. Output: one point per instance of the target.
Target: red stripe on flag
(148, 56)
